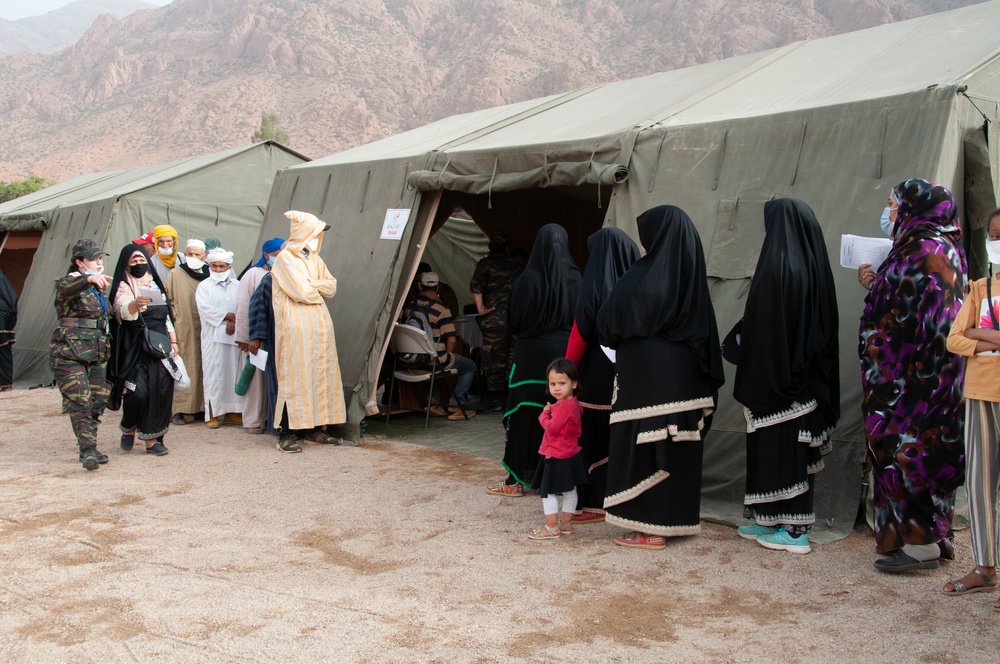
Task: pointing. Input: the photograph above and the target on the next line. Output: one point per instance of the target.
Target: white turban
(195, 243)
(219, 255)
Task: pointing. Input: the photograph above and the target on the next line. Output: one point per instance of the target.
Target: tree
(11, 190)
(270, 129)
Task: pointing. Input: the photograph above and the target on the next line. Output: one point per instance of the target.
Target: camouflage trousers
(84, 395)
(497, 353)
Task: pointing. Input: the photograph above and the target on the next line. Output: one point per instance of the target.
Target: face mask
(219, 276)
(313, 245)
(165, 252)
(993, 251)
(194, 263)
(99, 270)
(270, 261)
(138, 270)
(886, 222)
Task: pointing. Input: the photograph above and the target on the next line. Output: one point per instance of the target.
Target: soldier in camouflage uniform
(491, 284)
(79, 349)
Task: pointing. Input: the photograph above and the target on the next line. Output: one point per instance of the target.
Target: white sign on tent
(394, 224)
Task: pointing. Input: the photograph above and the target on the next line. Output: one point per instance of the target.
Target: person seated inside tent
(428, 302)
(445, 292)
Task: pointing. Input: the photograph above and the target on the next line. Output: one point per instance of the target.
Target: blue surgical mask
(270, 261)
(886, 222)
(90, 272)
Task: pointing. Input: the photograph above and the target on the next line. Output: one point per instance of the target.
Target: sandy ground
(229, 551)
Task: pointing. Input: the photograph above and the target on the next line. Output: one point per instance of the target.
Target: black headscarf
(612, 252)
(544, 296)
(665, 293)
(789, 348)
(121, 270)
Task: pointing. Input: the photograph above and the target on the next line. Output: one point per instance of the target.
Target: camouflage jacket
(494, 277)
(81, 321)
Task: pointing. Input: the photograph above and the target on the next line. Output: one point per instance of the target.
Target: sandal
(989, 584)
(544, 533)
(639, 540)
(502, 489)
(566, 528)
(587, 517)
(287, 445)
(320, 437)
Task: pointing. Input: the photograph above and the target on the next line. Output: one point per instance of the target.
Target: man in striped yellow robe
(310, 390)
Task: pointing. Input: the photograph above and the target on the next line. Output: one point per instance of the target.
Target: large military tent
(835, 122)
(222, 194)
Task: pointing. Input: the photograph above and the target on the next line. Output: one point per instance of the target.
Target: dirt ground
(226, 550)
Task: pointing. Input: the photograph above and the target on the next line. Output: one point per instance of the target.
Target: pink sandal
(639, 540)
(544, 533)
(501, 489)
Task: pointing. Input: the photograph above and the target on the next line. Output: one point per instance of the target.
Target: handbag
(731, 344)
(175, 365)
(154, 342)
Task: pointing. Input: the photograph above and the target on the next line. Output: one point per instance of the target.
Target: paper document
(223, 338)
(610, 352)
(260, 359)
(155, 296)
(856, 250)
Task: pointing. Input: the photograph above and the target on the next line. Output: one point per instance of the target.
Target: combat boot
(101, 458)
(494, 404)
(89, 458)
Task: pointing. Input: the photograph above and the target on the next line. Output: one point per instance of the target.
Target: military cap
(87, 249)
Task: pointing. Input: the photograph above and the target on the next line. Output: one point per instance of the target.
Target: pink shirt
(562, 429)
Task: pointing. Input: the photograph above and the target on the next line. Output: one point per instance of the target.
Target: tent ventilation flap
(570, 174)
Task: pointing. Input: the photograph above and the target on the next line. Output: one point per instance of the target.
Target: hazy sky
(15, 9)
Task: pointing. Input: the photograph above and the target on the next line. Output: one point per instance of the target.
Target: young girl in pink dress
(562, 468)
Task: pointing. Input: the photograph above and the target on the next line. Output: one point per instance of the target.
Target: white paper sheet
(155, 296)
(610, 352)
(856, 250)
(260, 359)
(223, 338)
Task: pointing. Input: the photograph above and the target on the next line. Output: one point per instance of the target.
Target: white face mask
(993, 251)
(313, 245)
(194, 263)
(219, 276)
(165, 252)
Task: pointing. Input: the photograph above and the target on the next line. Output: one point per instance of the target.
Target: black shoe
(89, 458)
(492, 407)
(128, 441)
(101, 458)
(158, 448)
(900, 562)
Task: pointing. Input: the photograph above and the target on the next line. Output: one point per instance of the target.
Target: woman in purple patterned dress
(913, 405)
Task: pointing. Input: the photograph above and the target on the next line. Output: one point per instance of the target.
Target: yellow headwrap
(166, 231)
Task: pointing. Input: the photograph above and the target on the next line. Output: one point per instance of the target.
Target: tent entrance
(17, 251)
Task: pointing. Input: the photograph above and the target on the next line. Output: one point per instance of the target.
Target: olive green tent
(221, 194)
(835, 122)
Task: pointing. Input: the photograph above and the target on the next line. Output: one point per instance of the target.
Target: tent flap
(13, 223)
(558, 174)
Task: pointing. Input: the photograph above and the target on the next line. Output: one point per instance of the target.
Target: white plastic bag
(175, 365)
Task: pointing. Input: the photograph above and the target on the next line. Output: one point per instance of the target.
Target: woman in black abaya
(787, 376)
(140, 384)
(612, 252)
(668, 370)
(539, 317)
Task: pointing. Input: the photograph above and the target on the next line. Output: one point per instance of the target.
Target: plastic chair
(408, 339)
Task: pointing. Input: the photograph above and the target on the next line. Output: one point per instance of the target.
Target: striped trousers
(982, 478)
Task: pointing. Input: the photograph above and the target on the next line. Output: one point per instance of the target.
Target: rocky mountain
(194, 76)
(62, 27)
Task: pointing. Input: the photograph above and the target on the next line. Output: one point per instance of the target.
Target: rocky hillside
(62, 27)
(194, 76)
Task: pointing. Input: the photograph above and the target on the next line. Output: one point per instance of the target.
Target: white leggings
(550, 503)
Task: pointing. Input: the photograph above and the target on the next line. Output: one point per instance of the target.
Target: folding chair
(408, 339)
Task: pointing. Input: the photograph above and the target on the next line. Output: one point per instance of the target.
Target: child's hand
(547, 408)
